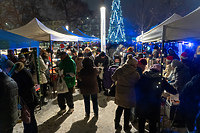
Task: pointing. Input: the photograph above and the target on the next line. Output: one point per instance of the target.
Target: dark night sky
(127, 7)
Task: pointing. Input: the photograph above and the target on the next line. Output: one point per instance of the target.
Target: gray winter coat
(8, 102)
(126, 77)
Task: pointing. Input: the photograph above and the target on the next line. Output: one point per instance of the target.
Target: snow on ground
(49, 122)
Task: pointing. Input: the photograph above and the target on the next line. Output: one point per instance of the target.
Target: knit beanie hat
(102, 54)
(155, 67)
(6, 64)
(175, 63)
(184, 55)
(21, 56)
(131, 60)
(142, 61)
(87, 62)
(129, 49)
(140, 55)
(169, 58)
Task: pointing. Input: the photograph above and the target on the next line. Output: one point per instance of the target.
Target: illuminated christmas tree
(116, 28)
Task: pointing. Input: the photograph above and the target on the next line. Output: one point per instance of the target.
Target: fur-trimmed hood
(19, 66)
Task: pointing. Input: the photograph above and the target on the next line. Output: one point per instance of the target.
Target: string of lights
(116, 32)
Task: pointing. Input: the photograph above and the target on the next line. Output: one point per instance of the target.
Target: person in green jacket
(68, 66)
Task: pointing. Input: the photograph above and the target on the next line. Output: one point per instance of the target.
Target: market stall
(38, 31)
(186, 28)
(155, 34)
(9, 40)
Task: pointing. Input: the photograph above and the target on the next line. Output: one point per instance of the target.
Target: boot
(127, 128)
(117, 125)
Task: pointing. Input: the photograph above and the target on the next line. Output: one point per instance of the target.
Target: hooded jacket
(25, 82)
(8, 102)
(126, 77)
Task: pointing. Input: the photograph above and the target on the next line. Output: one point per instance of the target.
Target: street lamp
(103, 27)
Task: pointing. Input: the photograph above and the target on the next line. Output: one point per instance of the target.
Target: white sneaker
(62, 111)
(71, 110)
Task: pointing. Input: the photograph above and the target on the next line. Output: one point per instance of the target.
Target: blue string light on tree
(116, 30)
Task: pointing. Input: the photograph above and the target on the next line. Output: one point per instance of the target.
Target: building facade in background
(89, 26)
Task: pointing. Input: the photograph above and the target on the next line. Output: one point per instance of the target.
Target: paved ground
(49, 122)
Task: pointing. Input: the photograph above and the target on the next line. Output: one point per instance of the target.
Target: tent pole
(142, 48)
(50, 41)
(162, 55)
(162, 49)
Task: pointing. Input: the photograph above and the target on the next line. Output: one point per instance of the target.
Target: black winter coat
(104, 62)
(8, 102)
(25, 83)
(148, 93)
(190, 99)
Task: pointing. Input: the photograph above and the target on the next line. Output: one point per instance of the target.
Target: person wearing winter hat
(187, 59)
(129, 51)
(21, 58)
(180, 75)
(103, 62)
(25, 83)
(69, 71)
(141, 65)
(184, 56)
(11, 56)
(125, 97)
(139, 56)
(6, 65)
(168, 67)
(89, 85)
(148, 98)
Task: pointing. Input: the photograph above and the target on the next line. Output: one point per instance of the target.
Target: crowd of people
(137, 78)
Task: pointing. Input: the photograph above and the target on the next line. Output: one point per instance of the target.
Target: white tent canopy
(155, 34)
(186, 28)
(38, 31)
